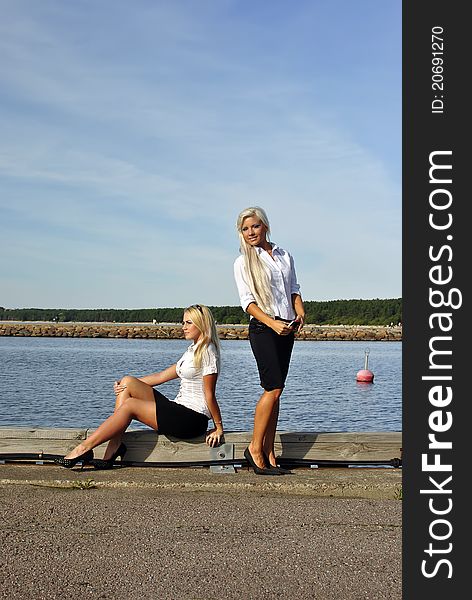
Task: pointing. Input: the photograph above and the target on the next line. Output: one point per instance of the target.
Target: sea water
(68, 382)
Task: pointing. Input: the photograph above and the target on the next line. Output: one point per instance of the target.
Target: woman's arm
(153, 379)
(245, 294)
(209, 389)
(279, 327)
(299, 309)
(161, 377)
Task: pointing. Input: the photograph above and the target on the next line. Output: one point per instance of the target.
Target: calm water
(57, 382)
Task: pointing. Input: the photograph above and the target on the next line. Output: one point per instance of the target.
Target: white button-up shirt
(282, 278)
(191, 393)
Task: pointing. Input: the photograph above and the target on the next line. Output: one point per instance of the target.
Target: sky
(133, 134)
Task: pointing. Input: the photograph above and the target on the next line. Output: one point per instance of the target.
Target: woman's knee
(128, 380)
(272, 396)
(275, 394)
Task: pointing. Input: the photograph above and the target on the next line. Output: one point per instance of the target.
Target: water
(57, 382)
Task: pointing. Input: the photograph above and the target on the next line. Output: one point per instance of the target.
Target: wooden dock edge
(149, 446)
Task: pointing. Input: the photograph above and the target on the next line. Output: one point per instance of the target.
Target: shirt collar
(192, 347)
(275, 248)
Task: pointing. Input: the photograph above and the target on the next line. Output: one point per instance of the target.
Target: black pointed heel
(281, 470)
(258, 470)
(86, 458)
(101, 465)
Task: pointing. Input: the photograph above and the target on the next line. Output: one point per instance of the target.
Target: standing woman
(184, 417)
(269, 292)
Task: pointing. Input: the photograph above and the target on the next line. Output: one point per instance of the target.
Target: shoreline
(174, 331)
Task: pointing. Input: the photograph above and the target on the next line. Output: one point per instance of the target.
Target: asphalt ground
(191, 534)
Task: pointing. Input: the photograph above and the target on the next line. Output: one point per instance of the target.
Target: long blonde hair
(258, 278)
(203, 319)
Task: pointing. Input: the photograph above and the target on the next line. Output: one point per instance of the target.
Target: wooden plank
(148, 446)
(32, 440)
(44, 433)
(331, 445)
(311, 437)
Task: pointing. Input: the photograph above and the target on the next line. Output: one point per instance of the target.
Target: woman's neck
(267, 246)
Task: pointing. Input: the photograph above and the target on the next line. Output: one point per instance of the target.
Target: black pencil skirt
(178, 420)
(272, 353)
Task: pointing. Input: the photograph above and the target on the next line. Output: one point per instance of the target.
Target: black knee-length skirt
(272, 353)
(178, 420)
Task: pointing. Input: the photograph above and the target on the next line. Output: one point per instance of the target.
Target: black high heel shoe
(281, 470)
(101, 464)
(86, 458)
(258, 470)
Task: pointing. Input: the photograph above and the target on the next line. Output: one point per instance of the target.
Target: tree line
(331, 312)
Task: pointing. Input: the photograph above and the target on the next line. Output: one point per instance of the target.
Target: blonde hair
(258, 278)
(205, 323)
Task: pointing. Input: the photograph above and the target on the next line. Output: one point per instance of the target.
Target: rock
(226, 332)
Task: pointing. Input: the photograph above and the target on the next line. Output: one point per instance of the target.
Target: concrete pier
(147, 532)
(188, 534)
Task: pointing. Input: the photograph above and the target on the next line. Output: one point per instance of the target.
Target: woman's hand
(280, 327)
(118, 387)
(214, 437)
(301, 322)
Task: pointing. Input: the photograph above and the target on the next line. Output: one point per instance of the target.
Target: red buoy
(365, 375)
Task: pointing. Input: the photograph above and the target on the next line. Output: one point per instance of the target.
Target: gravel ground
(187, 534)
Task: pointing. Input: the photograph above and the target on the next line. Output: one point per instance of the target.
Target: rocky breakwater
(174, 331)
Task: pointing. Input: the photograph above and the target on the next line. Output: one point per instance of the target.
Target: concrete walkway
(189, 534)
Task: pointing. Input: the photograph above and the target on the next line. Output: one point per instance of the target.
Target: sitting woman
(184, 417)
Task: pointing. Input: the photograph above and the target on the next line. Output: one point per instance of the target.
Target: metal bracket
(223, 452)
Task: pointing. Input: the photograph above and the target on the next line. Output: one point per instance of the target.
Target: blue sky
(133, 133)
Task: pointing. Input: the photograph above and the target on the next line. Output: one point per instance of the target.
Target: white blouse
(282, 278)
(191, 392)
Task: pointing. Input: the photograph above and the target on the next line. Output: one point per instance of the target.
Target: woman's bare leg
(132, 408)
(264, 423)
(134, 388)
(269, 437)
